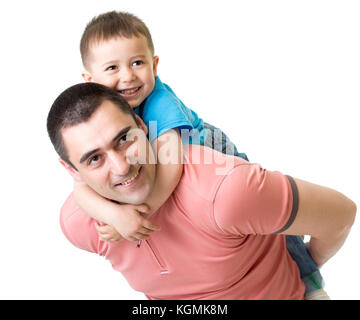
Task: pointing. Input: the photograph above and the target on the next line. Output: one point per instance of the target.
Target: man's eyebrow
(121, 133)
(86, 155)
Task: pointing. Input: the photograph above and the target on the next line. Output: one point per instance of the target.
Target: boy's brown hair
(112, 25)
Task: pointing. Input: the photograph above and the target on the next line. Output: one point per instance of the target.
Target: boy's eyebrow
(138, 56)
(116, 61)
(86, 155)
(109, 62)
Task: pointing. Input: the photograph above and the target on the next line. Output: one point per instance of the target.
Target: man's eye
(94, 160)
(122, 140)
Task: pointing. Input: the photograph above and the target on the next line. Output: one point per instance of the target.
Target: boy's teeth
(130, 91)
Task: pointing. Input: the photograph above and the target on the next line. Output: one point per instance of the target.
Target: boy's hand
(108, 233)
(130, 223)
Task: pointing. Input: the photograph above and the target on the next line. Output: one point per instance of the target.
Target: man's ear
(74, 173)
(142, 124)
(86, 76)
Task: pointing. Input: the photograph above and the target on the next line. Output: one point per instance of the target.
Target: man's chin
(133, 199)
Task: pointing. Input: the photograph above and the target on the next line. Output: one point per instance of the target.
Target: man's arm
(324, 214)
(252, 200)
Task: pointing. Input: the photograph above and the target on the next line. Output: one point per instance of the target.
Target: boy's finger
(141, 236)
(104, 237)
(146, 231)
(100, 228)
(149, 225)
(143, 208)
(102, 232)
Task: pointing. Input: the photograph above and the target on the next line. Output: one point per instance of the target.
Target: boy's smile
(125, 65)
(129, 93)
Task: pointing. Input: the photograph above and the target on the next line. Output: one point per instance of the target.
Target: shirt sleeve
(252, 200)
(162, 113)
(79, 228)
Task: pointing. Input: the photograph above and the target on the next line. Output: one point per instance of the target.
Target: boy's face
(125, 65)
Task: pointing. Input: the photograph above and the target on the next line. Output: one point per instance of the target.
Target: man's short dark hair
(76, 105)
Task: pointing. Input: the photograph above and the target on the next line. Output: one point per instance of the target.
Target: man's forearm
(326, 215)
(321, 250)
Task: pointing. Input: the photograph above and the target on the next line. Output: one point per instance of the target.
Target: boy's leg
(309, 272)
(218, 140)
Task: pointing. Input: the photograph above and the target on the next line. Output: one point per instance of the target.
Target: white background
(281, 78)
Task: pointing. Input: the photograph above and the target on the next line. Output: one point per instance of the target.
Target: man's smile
(131, 180)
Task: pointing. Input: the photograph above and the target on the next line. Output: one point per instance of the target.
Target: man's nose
(118, 164)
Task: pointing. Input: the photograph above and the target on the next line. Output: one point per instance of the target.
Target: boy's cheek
(86, 76)
(105, 81)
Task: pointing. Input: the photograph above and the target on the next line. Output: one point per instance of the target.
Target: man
(221, 237)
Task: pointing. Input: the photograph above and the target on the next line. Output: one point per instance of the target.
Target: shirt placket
(157, 257)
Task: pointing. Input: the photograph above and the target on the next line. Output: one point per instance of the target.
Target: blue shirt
(162, 110)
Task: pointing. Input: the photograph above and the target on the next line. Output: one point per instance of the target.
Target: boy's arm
(324, 214)
(168, 147)
(128, 220)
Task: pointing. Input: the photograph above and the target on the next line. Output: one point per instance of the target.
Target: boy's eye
(111, 68)
(137, 63)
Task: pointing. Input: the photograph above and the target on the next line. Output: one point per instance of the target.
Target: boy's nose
(127, 75)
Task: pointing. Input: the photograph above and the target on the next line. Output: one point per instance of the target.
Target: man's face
(109, 157)
(124, 65)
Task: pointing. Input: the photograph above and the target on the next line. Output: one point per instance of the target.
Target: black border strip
(295, 205)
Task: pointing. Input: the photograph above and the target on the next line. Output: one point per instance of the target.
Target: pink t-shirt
(217, 236)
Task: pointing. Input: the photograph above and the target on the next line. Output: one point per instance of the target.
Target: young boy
(117, 51)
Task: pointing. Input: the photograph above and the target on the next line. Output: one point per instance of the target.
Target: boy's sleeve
(79, 228)
(162, 113)
(252, 200)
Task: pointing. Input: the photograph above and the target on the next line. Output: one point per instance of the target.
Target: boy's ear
(86, 76)
(155, 64)
(74, 173)
(142, 124)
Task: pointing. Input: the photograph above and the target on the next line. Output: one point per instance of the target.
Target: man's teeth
(130, 179)
(129, 91)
